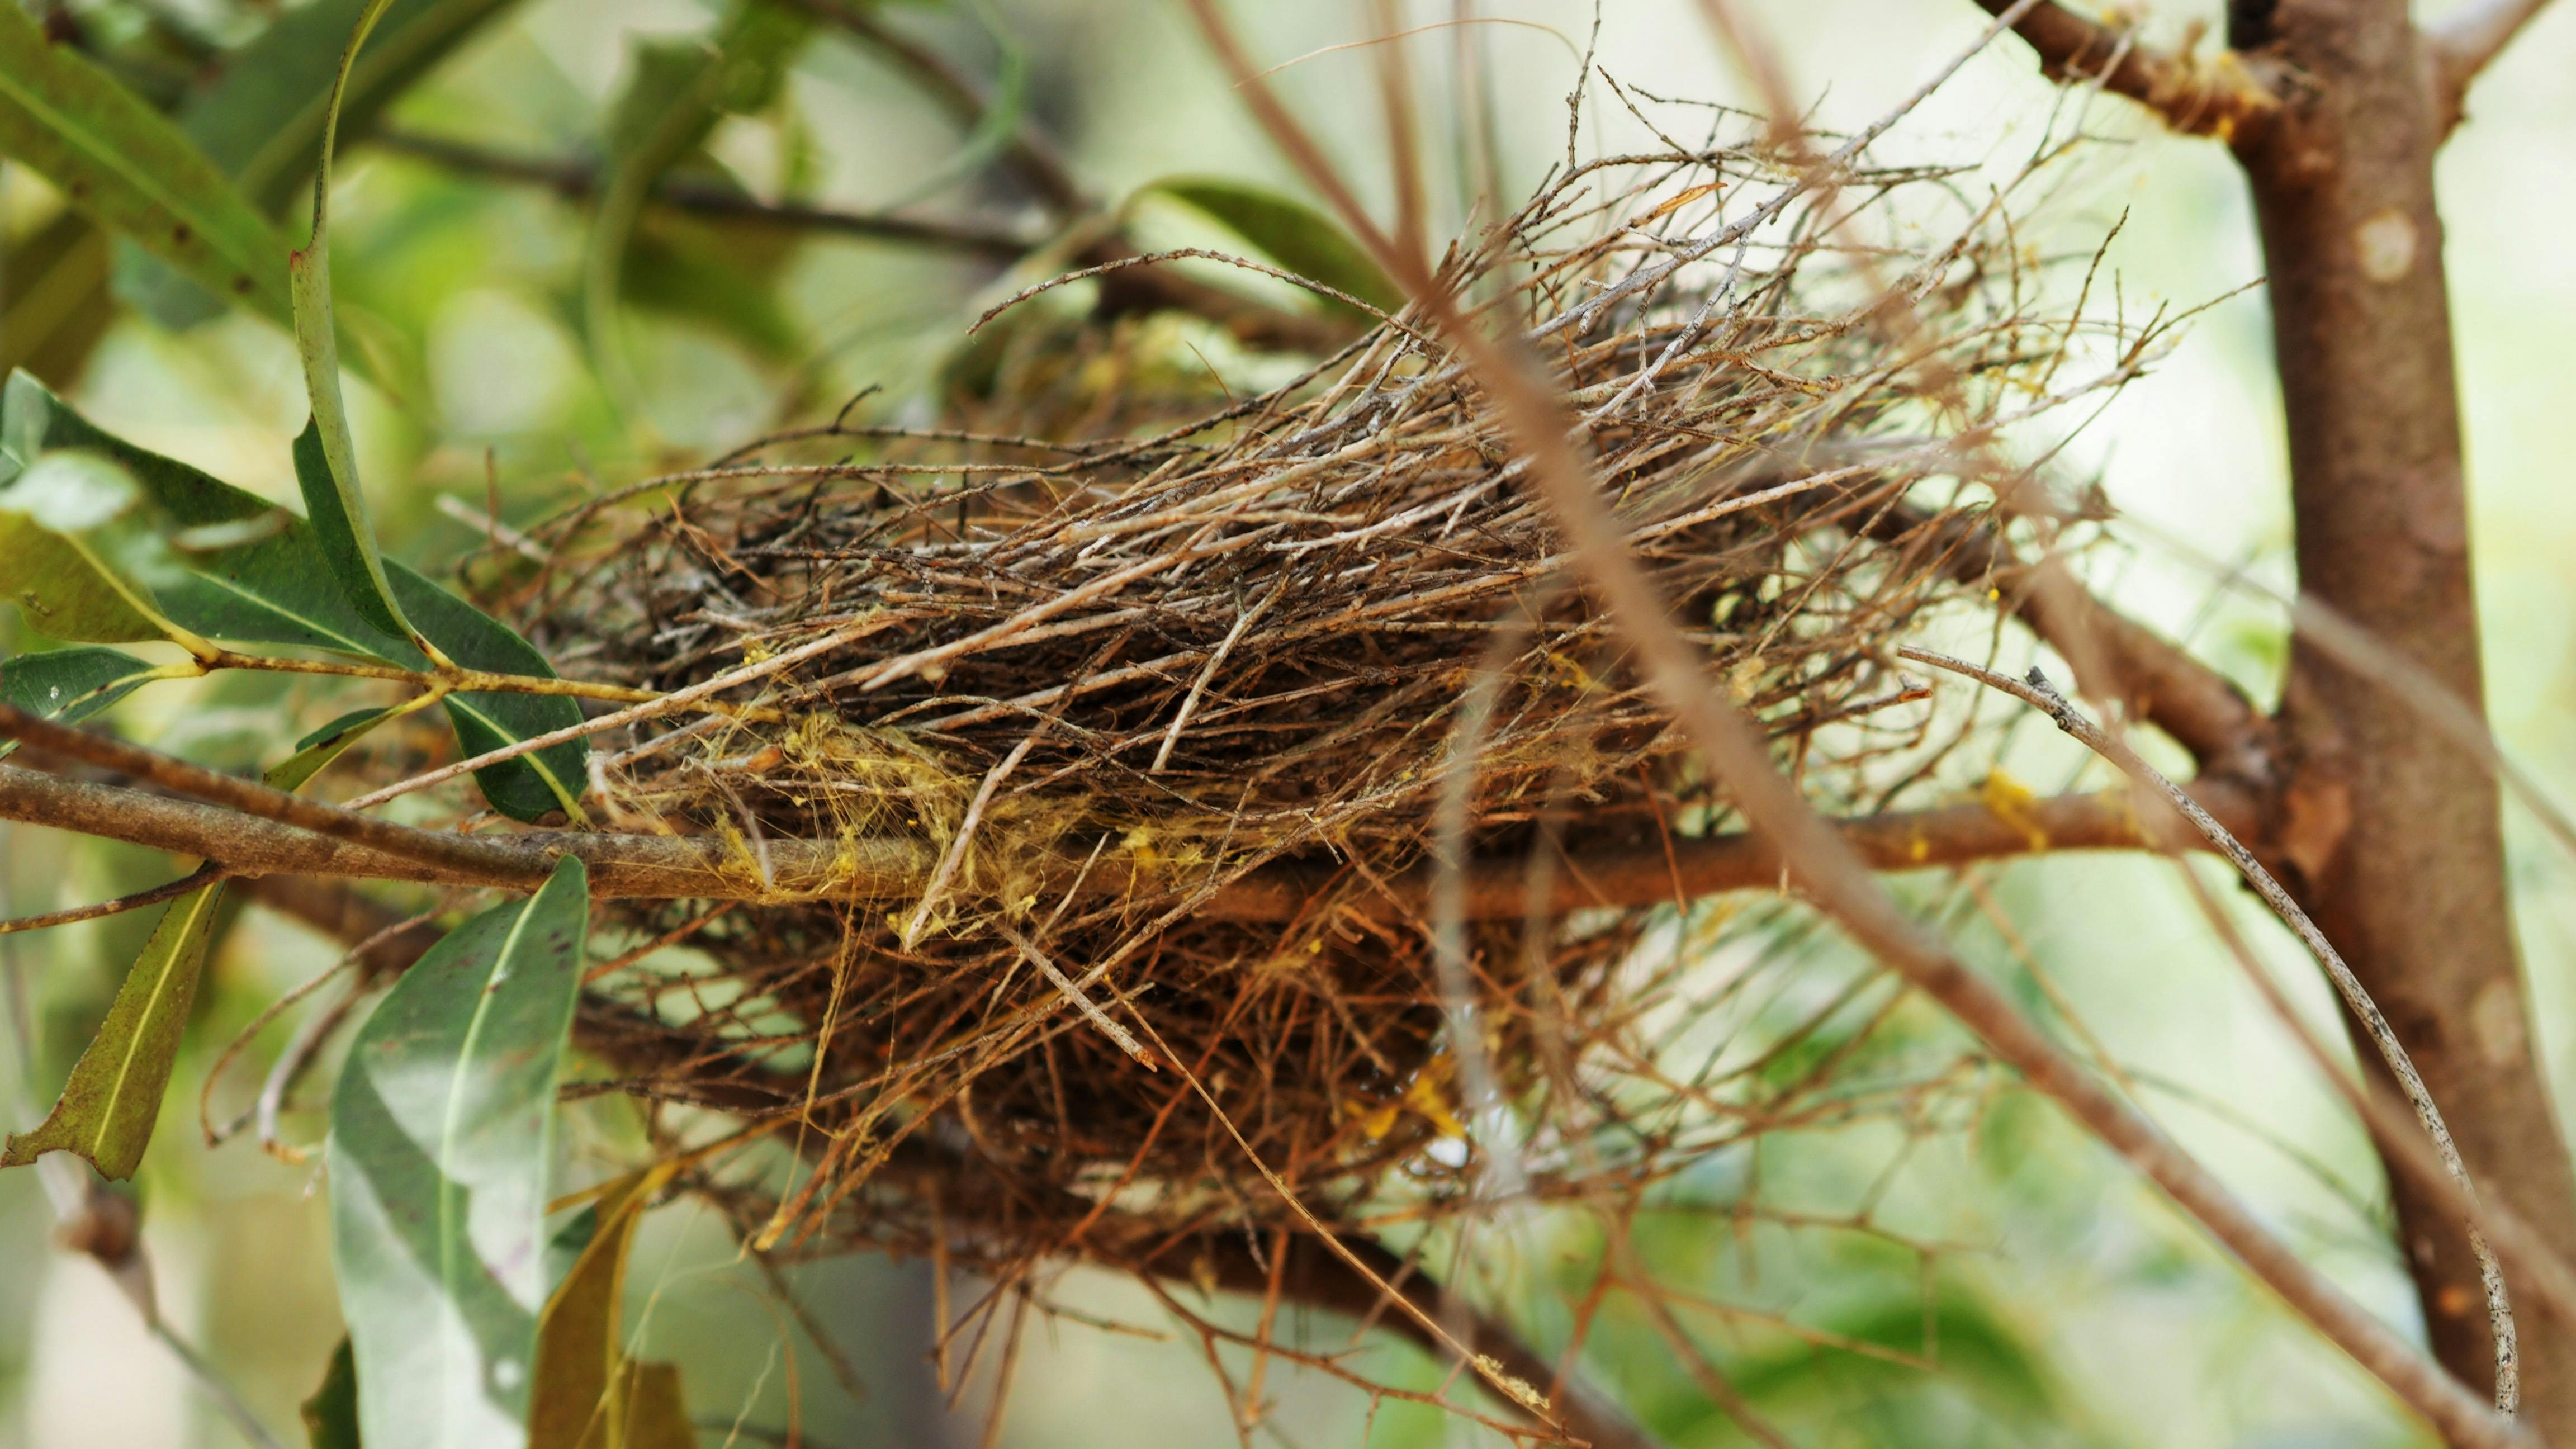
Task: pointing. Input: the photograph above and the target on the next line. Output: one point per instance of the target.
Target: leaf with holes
(70, 685)
(127, 166)
(441, 1136)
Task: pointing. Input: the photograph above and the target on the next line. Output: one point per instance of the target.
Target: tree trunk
(2414, 891)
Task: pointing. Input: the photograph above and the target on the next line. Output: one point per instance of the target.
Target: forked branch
(2467, 41)
(2196, 97)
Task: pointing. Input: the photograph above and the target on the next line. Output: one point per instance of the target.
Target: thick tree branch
(2197, 97)
(2466, 42)
(692, 868)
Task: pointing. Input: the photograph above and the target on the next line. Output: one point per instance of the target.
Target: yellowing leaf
(587, 1392)
(108, 1107)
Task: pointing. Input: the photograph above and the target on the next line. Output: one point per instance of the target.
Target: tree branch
(2037, 692)
(1837, 881)
(2153, 678)
(698, 868)
(574, 181)
(2466, 42)
(2195, 97)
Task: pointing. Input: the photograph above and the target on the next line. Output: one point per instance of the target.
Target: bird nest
(1186, 696)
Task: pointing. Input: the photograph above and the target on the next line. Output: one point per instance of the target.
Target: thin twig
(1819, 860)
(575, 179)
(167, 890)
(2037, 692)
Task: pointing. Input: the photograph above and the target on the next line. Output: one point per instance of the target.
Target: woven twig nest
(1161, 644)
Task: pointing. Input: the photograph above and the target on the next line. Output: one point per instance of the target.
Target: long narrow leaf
(326, 458)
(1289, 232)
(272, 586)
(671, 104)
(107, 1109)
(441, 1135)
(581, 1359)
(69, 542)
(70, 685)
(123, 163)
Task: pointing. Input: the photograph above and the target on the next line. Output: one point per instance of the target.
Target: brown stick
(695, 868)
(574, 180)
(1835, 877)
(2412, 887)
(2153, 678)
(2194, 97)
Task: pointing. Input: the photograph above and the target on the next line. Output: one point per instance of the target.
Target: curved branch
(2037, 692)
(2215, 97)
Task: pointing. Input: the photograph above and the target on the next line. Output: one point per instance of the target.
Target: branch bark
(2414, 894)
(2196, 97)
(1835, 879)
(692, 868)
(2466, 42)
(574, 180)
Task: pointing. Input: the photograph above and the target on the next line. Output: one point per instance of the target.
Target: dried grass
(1102, 619)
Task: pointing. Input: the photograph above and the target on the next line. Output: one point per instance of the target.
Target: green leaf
(531, 785)
(69, 548)
(331, 1415)
(70, 685)
(260, 120)
(123, 163)
(678, 93)
(339, 517)
(269, 587)
(273, 587)
(263, 119)
(315, 752)
(726, 277)
(108, 1106)
(326, 457)
(441, 1135)
(1289, 232)
(53, 297)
